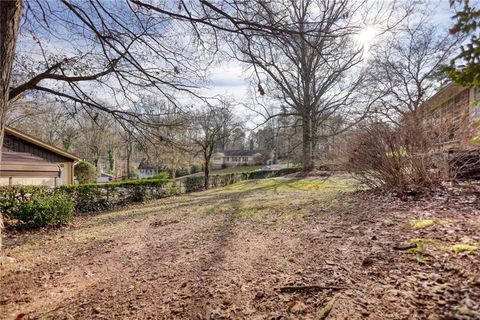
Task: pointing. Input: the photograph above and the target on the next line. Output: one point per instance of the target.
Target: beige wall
(66, 177)
(50, 182)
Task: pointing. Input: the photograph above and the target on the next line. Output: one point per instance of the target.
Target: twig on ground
(309, 288)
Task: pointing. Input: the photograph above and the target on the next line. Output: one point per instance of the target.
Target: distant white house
(233, 158)
(147, 170)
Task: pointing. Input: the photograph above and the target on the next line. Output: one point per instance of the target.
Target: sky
(229, 79)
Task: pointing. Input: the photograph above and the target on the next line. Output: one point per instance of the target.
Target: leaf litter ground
(283, 248)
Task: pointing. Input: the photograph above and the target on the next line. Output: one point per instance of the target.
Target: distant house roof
(106, 175)
(241, 153)
(144, 164)
(23, 136)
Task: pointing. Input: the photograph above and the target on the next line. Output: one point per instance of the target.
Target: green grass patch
(249, 213)
(422, 224)
(463, 247)
(284, 185)
(291, 212)
(424, 244)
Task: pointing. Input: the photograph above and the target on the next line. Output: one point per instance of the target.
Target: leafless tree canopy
(138, 67)
(316, 70)
(407, 68)
(101, 55)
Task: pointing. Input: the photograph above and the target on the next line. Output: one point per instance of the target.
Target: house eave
(40, 143)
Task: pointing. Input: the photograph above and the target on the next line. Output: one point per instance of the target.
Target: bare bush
(402, 158)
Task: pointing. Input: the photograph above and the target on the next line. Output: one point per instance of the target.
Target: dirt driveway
(269, 249)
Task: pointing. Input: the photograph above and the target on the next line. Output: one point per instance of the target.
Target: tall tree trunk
(307, 140)
(111, 160)
(10, 13)
(129, 155)
(96, 159)
(206, 169)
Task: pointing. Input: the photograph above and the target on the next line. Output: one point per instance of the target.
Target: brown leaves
(261, 90)
(327, 308)
(239, 265)
(404, 246)
(296, 306)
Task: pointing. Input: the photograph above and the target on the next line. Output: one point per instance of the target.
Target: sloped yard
(260, 249)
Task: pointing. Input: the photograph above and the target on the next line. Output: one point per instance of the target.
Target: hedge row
(37, 206)
(98, 197)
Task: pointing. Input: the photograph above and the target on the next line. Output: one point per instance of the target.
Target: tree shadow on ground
(224, 235)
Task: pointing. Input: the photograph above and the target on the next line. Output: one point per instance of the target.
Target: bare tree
(10, 13)
(110, 52)
(316, 71)
(209, 123)
(50, 121)
(128, 143)
(399, 147)
(395, 158)
(407, 68)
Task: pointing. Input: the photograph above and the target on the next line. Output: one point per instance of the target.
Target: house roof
(21, 135)
(144, 164)
(22, 164)
(106, 175)
(240, 153)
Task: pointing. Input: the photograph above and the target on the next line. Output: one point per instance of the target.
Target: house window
(217, 159)
(245, 158)
(227, 159)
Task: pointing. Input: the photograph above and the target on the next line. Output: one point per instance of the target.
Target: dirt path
(225, 254)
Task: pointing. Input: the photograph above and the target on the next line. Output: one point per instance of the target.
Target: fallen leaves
(325, 311)
(320, 263)
(404, 246)
(161, 223)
